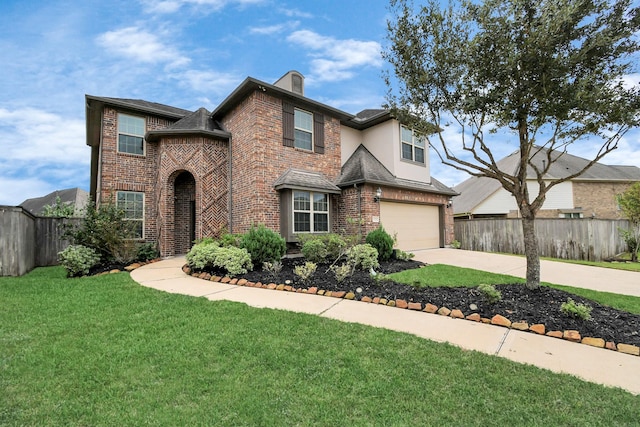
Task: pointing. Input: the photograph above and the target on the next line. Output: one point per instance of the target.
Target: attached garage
(416, 226)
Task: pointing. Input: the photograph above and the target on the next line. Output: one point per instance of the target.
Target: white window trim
(144, 142)
(311, 212)
(143, 211)
(413, 147)
(295, 128)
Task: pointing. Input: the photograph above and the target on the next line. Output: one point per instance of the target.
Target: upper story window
(310, 212)
(130, 134)
(132, 203)
(413, 145)
(303, 129)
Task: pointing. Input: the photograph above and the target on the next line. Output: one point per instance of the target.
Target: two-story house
(266, 155)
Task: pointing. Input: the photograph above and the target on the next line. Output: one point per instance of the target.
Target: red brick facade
(196, 185)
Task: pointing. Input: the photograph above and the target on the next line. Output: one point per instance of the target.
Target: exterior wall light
(376, 198)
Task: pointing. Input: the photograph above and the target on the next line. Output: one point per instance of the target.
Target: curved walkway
(589, 363)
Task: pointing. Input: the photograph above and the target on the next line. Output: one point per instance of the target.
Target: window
(130, 134)
(132, 203)
(412, 145)
(310, 212)
(572, 215)
(303, 130)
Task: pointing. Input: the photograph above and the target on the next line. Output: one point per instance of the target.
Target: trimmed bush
(315, 250)
(577, 310)
(78, 260)
(342, 272)
(304, 272)
(147, 252)
(263, 244)
(234, 260)
(382, 241)
(202, 254)
(363, 256)
(229, 239)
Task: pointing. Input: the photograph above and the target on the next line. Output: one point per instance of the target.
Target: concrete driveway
(560, 273)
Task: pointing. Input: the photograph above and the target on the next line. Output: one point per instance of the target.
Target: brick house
(266, 155)
(590, 195)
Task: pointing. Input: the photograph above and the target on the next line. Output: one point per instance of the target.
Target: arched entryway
(184, 230)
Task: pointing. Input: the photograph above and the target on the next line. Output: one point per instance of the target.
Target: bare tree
(550, 72)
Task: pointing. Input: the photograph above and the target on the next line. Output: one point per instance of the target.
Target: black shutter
(287, 124)
(318, 133)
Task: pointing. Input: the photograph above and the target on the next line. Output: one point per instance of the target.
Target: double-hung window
(130, 134)
(303, 129)
(310, 212)
(132, 203)
(413, 145)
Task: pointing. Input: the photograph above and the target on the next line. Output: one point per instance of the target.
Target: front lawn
(104, 351)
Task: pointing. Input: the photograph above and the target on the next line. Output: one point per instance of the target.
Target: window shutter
(287, 124)
(318, 133)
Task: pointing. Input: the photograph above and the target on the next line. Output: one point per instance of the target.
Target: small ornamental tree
(549, 73)
(629, 202)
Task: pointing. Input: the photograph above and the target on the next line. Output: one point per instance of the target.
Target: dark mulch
(517, 303)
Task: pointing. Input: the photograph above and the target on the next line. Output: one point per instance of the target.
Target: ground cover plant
(104, 351)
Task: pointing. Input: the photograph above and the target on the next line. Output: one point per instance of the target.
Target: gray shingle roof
(304, 180)
(198, 122)
(142, 105)
(474, 190)
(363, 167)
(76, 196)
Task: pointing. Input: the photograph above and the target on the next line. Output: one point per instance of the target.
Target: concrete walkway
(589, 363)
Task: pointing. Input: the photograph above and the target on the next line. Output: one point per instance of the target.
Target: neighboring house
(72, 196)
(591, 195)
(266, 155)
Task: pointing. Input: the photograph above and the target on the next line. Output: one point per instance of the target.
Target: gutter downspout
(230, 192)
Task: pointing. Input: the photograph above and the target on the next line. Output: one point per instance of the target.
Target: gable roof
(363, 167)
(76, 196)
(198, 122)
(475, 190)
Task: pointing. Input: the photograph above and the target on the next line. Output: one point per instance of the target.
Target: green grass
(447, 275)
(104, 351)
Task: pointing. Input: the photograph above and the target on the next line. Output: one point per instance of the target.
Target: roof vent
(293, 81)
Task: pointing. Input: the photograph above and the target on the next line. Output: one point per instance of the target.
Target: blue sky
(184, 53)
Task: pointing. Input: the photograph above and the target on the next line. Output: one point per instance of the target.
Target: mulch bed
(518, 304)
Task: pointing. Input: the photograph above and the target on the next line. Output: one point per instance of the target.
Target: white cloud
(295, 13)
(38, 149)
(210, 82)
(171, 6)
(336, 59)
(274, 29)
(141, 46)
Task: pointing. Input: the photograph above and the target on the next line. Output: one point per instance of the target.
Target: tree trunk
(531, 252)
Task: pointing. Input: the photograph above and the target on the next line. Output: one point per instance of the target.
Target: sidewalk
(589, 363)
(559, 273)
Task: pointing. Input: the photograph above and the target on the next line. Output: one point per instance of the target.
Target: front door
(185, 213)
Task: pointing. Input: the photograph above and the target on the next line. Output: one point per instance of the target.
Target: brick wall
(155, 174)
(259, 158)
(599, 198)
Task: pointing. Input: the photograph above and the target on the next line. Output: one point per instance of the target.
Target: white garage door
(416, 226)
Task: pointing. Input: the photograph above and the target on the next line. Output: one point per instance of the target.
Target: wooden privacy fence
(578, 239)
(28, 241)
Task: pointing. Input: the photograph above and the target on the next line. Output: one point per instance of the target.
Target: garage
(415, 226)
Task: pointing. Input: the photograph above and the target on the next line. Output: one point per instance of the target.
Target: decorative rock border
(498, 320)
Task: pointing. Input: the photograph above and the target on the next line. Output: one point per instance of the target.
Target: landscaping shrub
(403, 256)
(578, 310)
(342, 272)
(363, 256)
(315, 250)
(202, 254)
(147, 252)
(273, 268)
(304, 272)
(229, 239)
(335, 244)
(382, 241)
(107, 232)
(490, 293)
(263, 244)
(78, 259)
(234, 260)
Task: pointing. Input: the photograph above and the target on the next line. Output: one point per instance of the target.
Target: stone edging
(498, 320)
